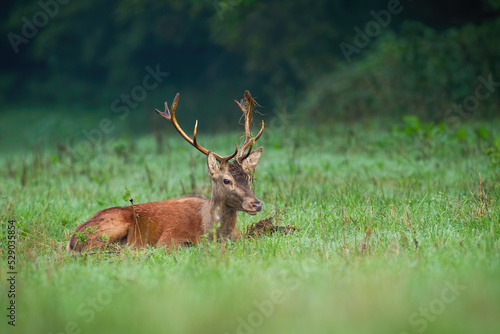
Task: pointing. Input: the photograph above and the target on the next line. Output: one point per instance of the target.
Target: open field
(398, 232)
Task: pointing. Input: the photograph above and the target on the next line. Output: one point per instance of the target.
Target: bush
(419, 71)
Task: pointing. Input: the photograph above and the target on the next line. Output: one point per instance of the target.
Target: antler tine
(170, 115)
(229, 157)
(194, 133)
(247, 111)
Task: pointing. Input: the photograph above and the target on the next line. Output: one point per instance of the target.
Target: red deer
(185, 220)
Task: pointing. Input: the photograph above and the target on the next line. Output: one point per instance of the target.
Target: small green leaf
(483, 133)
(461, 134)
(412, 124)
(127, 195)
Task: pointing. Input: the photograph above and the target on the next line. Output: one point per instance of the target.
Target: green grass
(395, 234)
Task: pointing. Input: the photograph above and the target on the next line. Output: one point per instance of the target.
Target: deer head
(230, 179)
(231, 183)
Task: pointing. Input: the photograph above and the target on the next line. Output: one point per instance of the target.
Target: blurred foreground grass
(398, 231)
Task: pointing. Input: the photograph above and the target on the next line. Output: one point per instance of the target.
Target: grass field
(398, 232)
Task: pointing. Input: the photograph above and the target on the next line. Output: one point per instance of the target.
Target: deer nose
(257, 206)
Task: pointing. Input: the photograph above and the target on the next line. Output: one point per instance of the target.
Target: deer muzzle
(252, 206)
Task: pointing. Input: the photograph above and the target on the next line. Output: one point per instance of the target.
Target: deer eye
(226, 181)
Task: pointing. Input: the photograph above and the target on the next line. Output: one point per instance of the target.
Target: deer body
(176, 221)
(181, 221)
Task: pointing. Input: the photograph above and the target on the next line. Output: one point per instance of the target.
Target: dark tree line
(351, 58)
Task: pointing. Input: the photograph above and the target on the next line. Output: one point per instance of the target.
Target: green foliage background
(286, 53)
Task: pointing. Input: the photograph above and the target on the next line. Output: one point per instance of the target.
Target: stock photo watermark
(372, 29)
(454, 116)
(88, 309)
(419, 320)
(264, 309)
(11, 272)
(222, 7)
(31, 27)
(121, 106)
(280, 122)
(472, 103)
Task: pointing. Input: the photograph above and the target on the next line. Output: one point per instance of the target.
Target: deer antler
(170, 115)
(246, 106)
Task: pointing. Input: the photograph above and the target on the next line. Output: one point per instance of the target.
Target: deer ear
(252, 160)
(213, 168)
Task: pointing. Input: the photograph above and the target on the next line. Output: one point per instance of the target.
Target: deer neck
(222, 217)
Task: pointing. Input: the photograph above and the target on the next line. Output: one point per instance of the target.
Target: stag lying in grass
(185, 220)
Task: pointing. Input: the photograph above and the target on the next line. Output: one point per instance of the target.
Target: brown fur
(171, 222)
(237, 172)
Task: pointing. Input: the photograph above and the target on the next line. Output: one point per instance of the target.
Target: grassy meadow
(398, 231)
